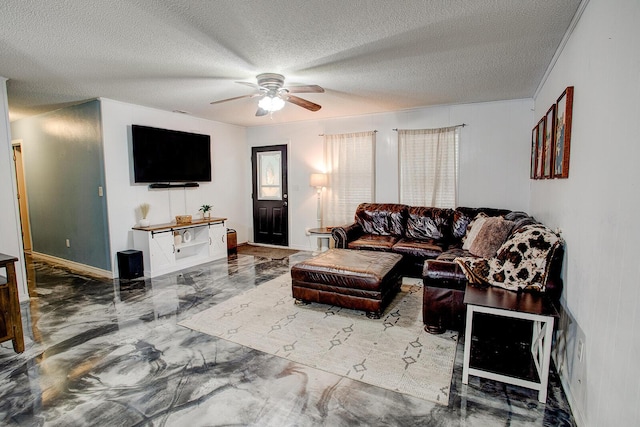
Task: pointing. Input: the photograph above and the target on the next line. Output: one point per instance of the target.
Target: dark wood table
(10, 318)
(534, 307)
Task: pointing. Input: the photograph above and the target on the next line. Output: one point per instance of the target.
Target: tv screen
(165, 156)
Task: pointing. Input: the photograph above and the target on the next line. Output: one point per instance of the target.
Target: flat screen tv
(166, 156)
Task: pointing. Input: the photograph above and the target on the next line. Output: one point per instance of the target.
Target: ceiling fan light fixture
(271, 103)
(273, 94)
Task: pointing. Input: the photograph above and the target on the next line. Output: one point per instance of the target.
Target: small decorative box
(183, 219)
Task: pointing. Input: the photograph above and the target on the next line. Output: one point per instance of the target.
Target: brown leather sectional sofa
(429, 239)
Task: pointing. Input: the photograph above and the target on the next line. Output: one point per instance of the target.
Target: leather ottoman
(360, 280)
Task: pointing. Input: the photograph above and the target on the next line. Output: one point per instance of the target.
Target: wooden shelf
(173, 226)
(191, 244)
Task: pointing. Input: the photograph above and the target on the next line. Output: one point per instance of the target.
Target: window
(429, 166)
(350, 163)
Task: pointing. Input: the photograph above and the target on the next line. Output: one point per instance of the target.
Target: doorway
(270, 195)
(22, 196)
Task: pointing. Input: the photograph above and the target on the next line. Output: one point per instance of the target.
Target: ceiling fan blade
(305, 89)
(234, 98)
(311, 106)
(261, 112)
(253, 85)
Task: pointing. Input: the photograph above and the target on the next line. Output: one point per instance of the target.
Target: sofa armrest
(443, 274)
(443, 299)
(344, 234)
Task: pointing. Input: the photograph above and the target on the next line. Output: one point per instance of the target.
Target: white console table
(170, 247)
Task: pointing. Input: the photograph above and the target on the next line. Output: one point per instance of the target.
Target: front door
(270, 198)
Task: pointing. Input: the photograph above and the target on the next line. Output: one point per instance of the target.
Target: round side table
(324, 237)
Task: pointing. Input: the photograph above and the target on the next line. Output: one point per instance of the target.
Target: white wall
(10, 237)
(597, 209)
(226, 191)
(494, 155)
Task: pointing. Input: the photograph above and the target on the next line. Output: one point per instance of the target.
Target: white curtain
(429, 166)
(350, 164)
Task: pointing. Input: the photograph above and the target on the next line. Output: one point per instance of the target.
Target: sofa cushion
(452, 253)
(492, 234)
(522, 262)
(429, 248)
(520, 219)
(462, 216)
(428, 223)
(374, 242)
(473, 229)
(384, 219)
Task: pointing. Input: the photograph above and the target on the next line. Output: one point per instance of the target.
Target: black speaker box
(130, 264)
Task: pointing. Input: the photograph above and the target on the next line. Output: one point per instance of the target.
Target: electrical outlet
(306, 231)
(580, 350)
(68, 243)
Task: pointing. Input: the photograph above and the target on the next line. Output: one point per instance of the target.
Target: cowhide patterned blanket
(522, 262)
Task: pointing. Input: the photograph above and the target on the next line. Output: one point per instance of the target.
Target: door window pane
(269, 175)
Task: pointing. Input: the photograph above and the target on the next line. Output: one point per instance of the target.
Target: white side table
(519, 305)
(324, 237)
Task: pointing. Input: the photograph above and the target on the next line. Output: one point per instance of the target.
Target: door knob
(285, 204)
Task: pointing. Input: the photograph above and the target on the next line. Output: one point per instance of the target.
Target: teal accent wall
(64, 168)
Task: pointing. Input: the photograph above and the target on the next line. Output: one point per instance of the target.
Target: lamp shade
(318, 180)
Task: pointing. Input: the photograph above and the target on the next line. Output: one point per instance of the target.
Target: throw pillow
(491, 236)
(472, 230)
(521, 263)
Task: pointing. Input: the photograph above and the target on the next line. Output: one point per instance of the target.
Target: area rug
(265, 252)
(393, 352)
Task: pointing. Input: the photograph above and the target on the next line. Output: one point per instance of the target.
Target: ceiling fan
(273, 94)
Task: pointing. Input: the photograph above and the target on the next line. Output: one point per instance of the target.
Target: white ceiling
(369, 55)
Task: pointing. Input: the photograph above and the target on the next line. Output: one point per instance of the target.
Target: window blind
(429, 166)
(350, 163)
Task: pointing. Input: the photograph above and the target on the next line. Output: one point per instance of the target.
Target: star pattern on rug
(415, 343)
(360, 367)
(408, 361)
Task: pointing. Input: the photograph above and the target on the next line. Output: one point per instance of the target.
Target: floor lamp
(319, 180)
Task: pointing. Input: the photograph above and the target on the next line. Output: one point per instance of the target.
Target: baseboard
(563, 352)
(264, 245)
(577, 414)
(72, 265)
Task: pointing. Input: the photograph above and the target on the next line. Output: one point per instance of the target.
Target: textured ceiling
(370, 56)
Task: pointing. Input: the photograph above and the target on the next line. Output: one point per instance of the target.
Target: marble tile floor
(110, 353)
